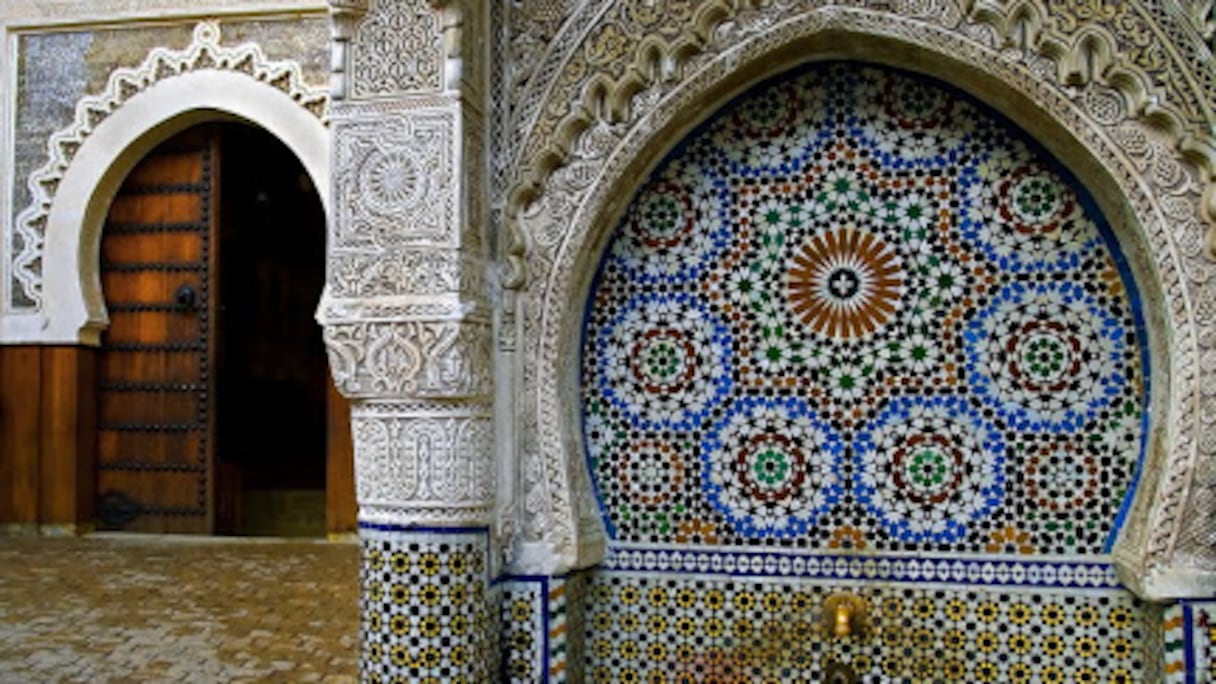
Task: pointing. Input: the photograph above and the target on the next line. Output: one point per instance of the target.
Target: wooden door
(154, 466)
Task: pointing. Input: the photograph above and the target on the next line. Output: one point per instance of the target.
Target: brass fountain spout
(846, 614)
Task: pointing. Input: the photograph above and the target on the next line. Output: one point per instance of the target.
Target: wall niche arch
(856, 332)
(568, 223)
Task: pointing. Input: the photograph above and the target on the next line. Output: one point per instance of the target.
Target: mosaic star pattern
(856, 309)
(423, 595)
(732, 631)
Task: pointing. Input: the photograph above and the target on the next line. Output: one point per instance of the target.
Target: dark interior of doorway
(271, 370)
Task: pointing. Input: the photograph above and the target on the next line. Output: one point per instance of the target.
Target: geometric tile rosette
(857, 309)
(1047, 356)
(929, 467)
(664, 361)
(780, 469)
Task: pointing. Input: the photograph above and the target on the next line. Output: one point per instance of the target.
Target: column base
(425, 606)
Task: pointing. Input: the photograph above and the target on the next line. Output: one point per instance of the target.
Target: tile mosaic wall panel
(424, 607)
(858, 311)
(677, 630)
(524, 630)
(1190, 642)
(544, 629)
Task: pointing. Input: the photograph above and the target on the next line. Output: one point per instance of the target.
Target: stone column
(408, 329)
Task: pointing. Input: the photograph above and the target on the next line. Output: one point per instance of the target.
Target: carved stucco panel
(397, 48)
(1161, 193)
(397, 184)
(1155, 55)
(412, 271)
(411, 358)
(424, 463)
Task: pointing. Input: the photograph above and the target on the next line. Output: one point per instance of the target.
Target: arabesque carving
(431, 466)
(397, 49)
(205, 52)
(397, 183)
(417, 271)
(410, 358)
(605, 56)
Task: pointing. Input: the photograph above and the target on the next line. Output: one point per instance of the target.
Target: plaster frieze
(410, 358)
(423, 463)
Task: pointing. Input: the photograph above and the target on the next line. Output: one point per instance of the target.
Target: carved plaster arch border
(1151, 198)
(172, 90)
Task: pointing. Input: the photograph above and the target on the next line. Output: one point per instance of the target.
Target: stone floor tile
(126, 608)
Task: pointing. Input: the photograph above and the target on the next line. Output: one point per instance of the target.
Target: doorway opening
(270, 366)
(217, 414)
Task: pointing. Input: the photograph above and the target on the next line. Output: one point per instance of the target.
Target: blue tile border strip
(992, 572)
(1188, 641)
(422, 529)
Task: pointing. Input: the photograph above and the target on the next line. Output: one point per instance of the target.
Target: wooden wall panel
(69, 403)
(47, 430)
(20, 433)
(340, 507)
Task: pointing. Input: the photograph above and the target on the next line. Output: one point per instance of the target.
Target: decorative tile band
(559, 632)
(424, 606)
(665, 629)
(1174, 625)
(567, 628)
(544, 628)
(1190, 642)
(994, 571)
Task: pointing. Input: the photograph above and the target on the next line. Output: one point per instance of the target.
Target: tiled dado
(677, 629)
(425, 607)
(543, 628)
(1190, 642)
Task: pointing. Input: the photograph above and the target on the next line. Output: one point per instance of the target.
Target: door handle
(186, 298)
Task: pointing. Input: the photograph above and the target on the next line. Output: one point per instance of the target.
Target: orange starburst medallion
(845, 283)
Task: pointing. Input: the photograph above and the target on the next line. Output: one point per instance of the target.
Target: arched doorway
(214, 408)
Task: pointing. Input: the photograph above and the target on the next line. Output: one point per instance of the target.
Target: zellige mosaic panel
(857, 311)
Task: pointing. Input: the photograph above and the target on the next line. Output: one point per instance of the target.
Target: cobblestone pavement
(121, 608)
